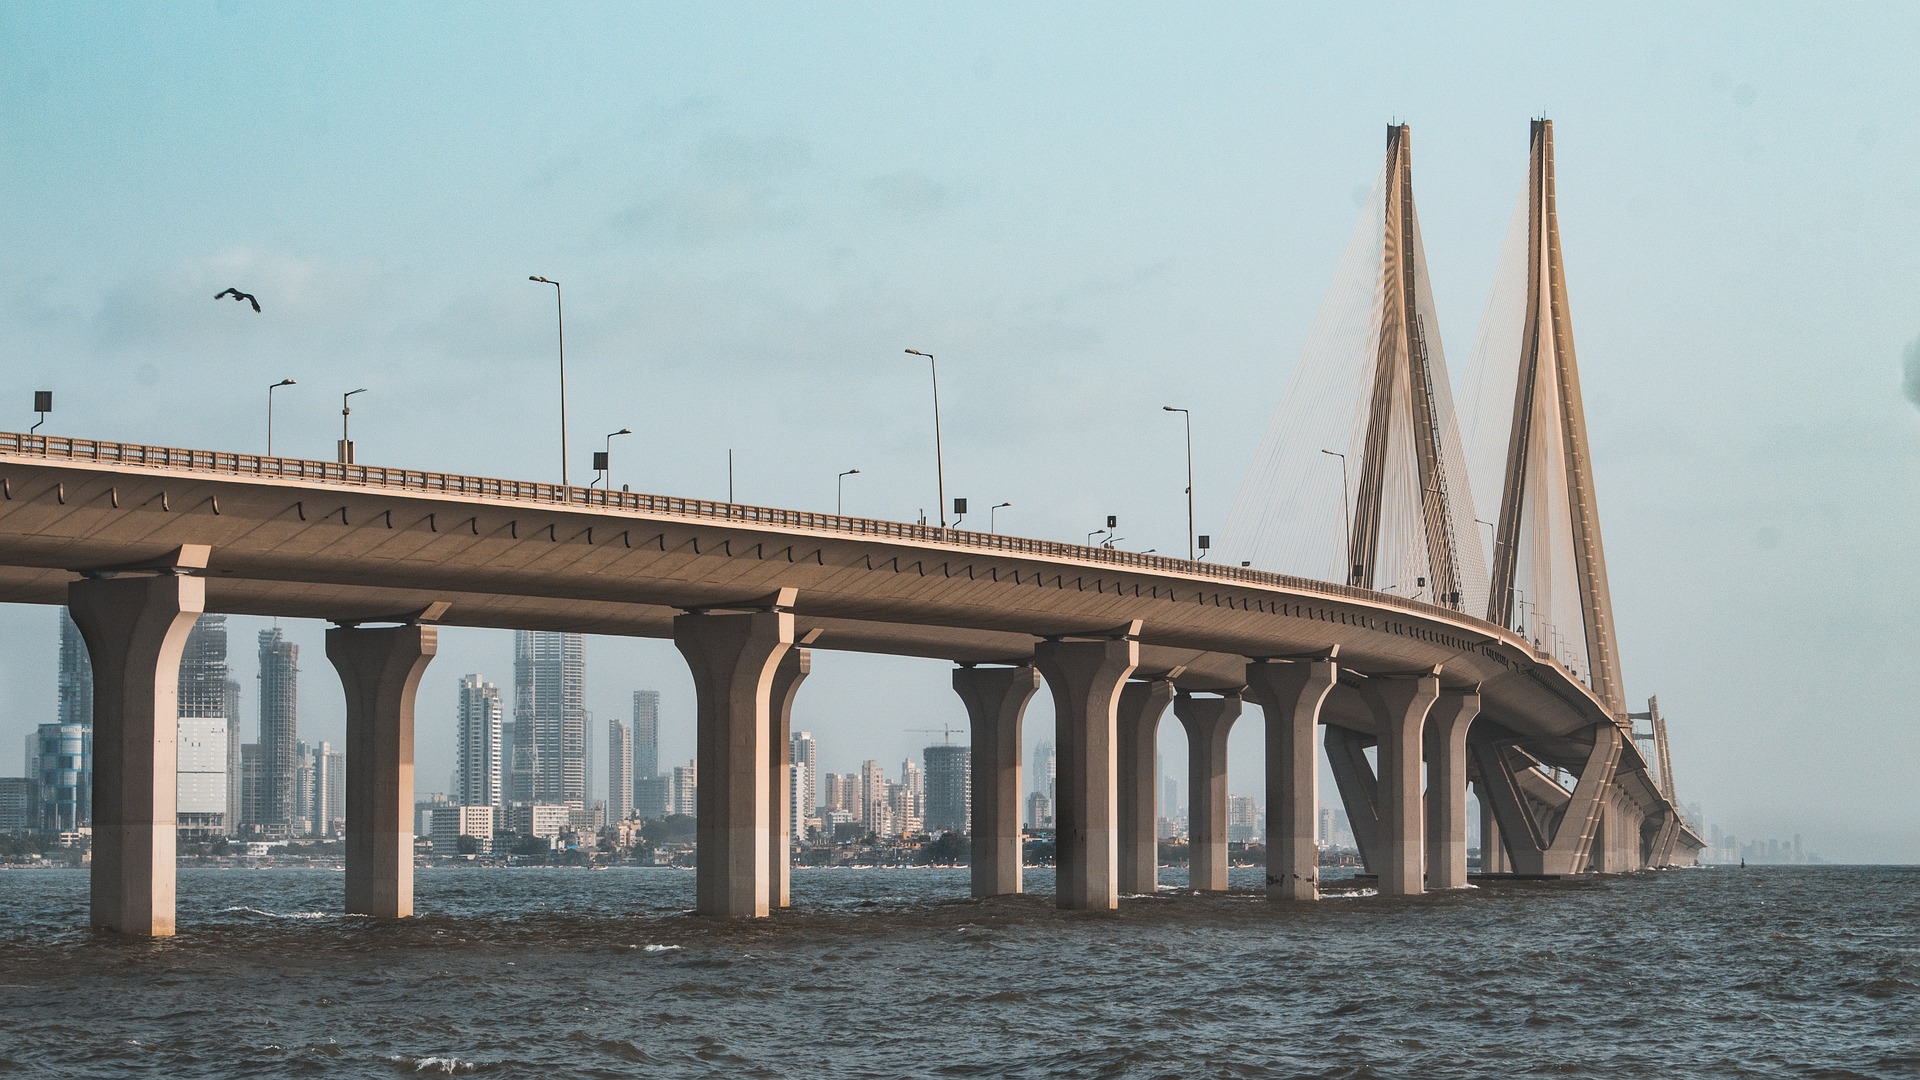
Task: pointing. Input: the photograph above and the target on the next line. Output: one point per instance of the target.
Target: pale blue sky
(1087, 212)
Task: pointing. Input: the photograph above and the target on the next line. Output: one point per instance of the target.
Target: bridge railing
(224, 463)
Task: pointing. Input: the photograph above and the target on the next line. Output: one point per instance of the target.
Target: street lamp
(991, 512)
(346, 410)
(840, 488)
(270, 390)
(603, 462)
(1192, 556)
(939, 462)
(1346, 512)
(560, 315)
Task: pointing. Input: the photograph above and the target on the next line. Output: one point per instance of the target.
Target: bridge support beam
(1208, 721)
(135, 629)
(1446, 739)
(1289, 696)
(1400, 705)
(1353, 778)
(1137, 729)
(733, 657)
(380, 669)
(1085, 678)
(996, 700)
(788, 674)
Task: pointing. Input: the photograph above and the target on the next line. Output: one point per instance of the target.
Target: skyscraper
(232, 714)
(949, 789)
(76, 675)
(646, 734)
(806, 752)
(479, 738)
(329, 790)
(208, 735)
(279, 731)
(1045, 762)
(60, 754)
(619, 771)
(550, 715)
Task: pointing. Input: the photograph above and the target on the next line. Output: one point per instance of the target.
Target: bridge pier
(1493, 852)
(1353, 778)
(380, 669)
(135, 629)
(788, 674)
(1289, 695)
(996, 699)
(1207, 720)
(1085, 678)
(733, 657)
(1446, 740)
(1137, 731)
(1400, 705)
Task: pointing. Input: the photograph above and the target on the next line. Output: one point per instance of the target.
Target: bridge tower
(1547, 534)
(1409, 421)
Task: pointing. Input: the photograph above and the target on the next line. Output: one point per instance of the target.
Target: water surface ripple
(1803, 972)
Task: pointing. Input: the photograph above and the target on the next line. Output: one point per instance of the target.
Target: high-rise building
(805, 751)
(252, 788)
(1170, 797)
(646, 734)
(449, 825)
(200, 808)
(1039, 811)
(479, 744)
(686, 789)
(1243, 819)
(799, 781)
(949, 806)
(279, 732)
(1045, 766)
(232, 715)
(875, 813)
(303, 791)
(19, 804)
(550, 715)
(329, 790)
(619, 771)
(63, 768)
(653, 797)
(76, 675)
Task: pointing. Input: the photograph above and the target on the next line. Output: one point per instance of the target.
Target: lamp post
(991, 512)
(346, 410)
(1192, 556)
(840, 489)
(605, 464)
(560, 316)
(1346, 512)
(270, 390)
(939, 461)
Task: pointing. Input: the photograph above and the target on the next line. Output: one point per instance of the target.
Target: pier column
(1207, 720)
(788, 674)
(1137, 730)
(1353, 778)
(996, 698)
(1289, 695)
(380, 669)
(1400, 705)
(1085, 678)
(1446, 739)
(135, 629)
(732, 657)
(1493, 854)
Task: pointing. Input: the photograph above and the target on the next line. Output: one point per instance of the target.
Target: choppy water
(1712, 973)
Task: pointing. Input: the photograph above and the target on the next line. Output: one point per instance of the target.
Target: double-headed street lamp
(560, 315)
(939, 462)
(270, 390)
(840, 488)
(1192, 556)
(603, 461)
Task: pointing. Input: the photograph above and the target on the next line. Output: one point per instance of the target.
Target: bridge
(1441, 665)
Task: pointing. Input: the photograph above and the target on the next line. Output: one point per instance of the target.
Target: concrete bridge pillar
(1400, 705)
(732, 657)
(1493, 852)
(1359, 790)
(1446, 740)
(380, 669)
(1137, 730)
(1207, 720)
(996, 699)
(135, 629)
(1289, 696)
(1085, 678)
(788, 674)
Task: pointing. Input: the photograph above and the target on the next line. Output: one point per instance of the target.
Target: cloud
(1913, 372)
(735, 184)
(906, 196)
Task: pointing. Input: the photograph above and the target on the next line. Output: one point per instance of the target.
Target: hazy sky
(1087, 212)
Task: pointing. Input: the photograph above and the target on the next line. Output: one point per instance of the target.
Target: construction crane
(946, 732)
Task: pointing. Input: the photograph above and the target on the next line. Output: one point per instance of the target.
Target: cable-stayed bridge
(1366, 617)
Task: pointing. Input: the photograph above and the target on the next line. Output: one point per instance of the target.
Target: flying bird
(239, 296)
